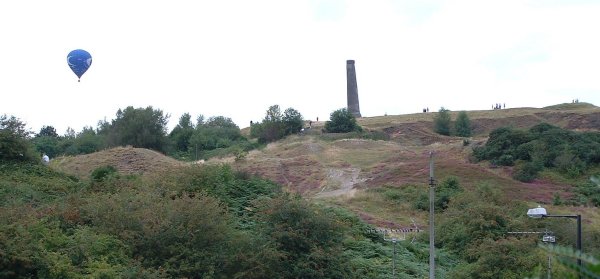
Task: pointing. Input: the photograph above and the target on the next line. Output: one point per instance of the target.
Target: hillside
(383, 182)
(127, 160)
(416, 129)
(347, 172)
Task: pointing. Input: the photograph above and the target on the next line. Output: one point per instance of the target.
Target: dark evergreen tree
(181, 134)
(441, 122)
(463, 125)
(47, 131)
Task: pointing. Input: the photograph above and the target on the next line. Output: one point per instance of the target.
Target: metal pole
(549, 267)
(431, 217)
(579, 248)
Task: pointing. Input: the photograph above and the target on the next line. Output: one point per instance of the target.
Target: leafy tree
(276, 125)
(14, 144)
(292, 120)
(342, 121)
(139, 127)
(200, 119)
(181, 134)
(441, 122)
(216, 132)
(273, 114)
(271, 128)
(14, 125)
(88, 141)
(46, 144)
(221, 122)
(463, 125)
(47, 141)
(70, 133)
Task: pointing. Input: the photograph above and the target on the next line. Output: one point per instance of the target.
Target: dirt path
(340, 182)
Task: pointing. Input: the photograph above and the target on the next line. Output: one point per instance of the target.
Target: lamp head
(537, 212)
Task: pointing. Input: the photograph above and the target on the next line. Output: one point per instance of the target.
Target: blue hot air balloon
(80, 61)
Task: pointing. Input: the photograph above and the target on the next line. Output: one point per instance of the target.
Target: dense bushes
(542, 146)
(276, 125)
(475, 227)
(202, 222)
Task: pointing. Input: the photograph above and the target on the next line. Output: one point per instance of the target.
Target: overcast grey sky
(236, 58)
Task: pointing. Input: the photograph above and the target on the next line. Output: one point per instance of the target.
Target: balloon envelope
(80, 61)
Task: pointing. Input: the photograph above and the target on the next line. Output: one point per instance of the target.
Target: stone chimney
(353, 106)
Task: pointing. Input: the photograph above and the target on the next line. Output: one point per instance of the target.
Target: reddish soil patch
(413, 169)
(299, 174)
(418, 133)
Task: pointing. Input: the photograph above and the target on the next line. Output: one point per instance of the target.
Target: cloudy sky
(235, 58)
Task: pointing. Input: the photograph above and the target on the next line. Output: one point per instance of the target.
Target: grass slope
(127, 160)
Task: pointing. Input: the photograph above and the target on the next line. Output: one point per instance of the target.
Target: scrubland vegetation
(216, 221)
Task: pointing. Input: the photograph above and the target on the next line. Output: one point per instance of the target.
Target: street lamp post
(540, 212)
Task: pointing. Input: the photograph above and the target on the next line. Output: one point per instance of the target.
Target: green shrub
(526, 172)
(462, 125)
(588, 193)
(342, 121)
(556, 199)
(505, 160)
(102, 173)
(570, 165)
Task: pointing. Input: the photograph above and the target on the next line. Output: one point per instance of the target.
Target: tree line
(442, 124)
(147, 128)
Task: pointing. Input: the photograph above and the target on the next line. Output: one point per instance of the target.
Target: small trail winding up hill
(127, 160)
